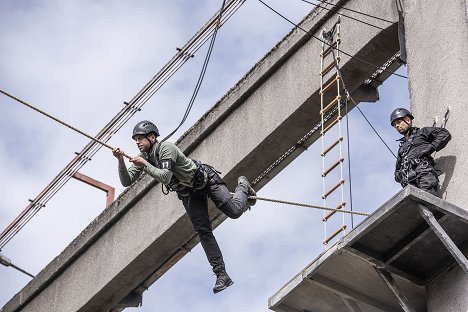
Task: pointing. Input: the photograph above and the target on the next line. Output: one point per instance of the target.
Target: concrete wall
(437, 46)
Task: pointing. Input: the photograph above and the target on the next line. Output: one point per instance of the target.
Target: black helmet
(144, 127)
(400, 113)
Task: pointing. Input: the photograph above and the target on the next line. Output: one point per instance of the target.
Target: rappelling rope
(60, 121)
(278, 201)
(308, 206)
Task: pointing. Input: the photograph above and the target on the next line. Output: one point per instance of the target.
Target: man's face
(402, 124)
(143, 142)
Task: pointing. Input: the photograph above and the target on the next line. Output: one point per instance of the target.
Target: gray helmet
(144, 127)
(400, 113)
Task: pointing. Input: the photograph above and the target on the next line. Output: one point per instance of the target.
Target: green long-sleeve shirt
(172, 162)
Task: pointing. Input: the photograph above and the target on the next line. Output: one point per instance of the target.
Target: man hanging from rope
(193, 182)
(415, 164)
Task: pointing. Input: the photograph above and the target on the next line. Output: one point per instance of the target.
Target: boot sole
(221, 289)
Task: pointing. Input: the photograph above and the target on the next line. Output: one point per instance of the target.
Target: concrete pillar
(437, 47)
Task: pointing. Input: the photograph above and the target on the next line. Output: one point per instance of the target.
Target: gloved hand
(427, 151)
(399, 176)
(412, 174)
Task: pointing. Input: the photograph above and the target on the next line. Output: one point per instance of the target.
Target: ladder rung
(328, 50)
(324, 174)
(331, 213)
(333, 189)
(341, 229)
(340, 139)
(329, 66)
(330, 85)
(334, 122)
(330, 105)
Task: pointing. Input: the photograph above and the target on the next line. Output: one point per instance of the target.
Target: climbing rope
(278, 201)
(59, 121)
(309, 206)
(202, 72)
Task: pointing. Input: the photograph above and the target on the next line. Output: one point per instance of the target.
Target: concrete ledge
(395, 239)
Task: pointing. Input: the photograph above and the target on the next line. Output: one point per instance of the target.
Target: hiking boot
(223, 281)
(250, 191)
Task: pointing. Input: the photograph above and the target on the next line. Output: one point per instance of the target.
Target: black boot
(223, 281)
(250, 191)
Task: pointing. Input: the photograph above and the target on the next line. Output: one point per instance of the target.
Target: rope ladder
(331, 135)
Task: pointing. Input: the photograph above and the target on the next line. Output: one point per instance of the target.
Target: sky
(80, 60)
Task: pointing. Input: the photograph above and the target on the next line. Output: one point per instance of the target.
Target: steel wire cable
(196, 45)
(202, 74)
(352, 10)
(347, 16)
(356, 105)
(349, 162)
(317, 38)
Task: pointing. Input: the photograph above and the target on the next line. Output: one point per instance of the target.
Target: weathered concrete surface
(143, 232)
(439, 79)
(345, 272)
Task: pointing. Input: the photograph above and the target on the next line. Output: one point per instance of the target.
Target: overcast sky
(79, 60)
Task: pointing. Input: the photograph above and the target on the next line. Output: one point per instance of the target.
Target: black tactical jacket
(417, 144)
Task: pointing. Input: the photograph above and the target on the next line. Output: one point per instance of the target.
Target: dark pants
(426, 179)
(196, 205)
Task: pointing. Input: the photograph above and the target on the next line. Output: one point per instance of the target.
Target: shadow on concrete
(445, 167)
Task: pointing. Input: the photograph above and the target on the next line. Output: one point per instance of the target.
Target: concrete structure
(143, 233)
(397, 246)
(439, 79)
(437, 56)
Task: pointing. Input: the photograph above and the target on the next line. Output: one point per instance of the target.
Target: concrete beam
(347, 292)
(143, 233)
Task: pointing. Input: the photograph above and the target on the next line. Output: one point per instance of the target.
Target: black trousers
(426, 179)
(196, 205)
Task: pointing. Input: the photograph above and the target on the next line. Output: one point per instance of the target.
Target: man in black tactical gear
(193, 182)
(415, 164)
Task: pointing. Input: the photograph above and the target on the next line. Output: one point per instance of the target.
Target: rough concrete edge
(293, 283)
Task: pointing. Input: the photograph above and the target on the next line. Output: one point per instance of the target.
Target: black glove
(399, 176)
(412, 175)
(427, 151)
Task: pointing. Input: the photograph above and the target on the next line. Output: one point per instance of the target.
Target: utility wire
(351, 10)
(350, 17)
(349, 162)
(202, 73)
(317, 38)
(355, 104)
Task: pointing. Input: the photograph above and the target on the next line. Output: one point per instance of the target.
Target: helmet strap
(149, 140)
